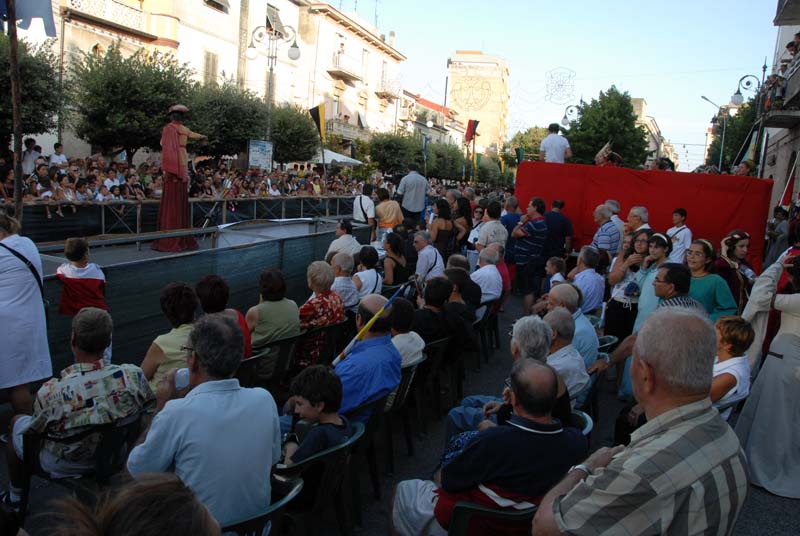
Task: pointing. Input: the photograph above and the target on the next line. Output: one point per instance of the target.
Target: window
(210, 68)
(336, 107)
(274, 21)
(364, 66)
(219, 5)
(384, 66)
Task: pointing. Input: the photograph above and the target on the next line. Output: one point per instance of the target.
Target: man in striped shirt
(608, 236)
(684, 471)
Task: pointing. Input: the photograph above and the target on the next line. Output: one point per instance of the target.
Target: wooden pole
(16, 105)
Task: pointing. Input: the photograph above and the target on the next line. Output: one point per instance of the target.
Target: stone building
(657, 145)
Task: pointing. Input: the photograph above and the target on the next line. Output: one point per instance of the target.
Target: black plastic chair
(397, 406)
(269, 367)
(389, 290)
(333, 340)
(327, 478)
(488, 329)
(607, 343)
(283, 492)
(116, 441)
(427, 388)
(472, 519)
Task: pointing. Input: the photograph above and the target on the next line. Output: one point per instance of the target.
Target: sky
(669, 53)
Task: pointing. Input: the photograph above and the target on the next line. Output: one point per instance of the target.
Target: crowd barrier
(135, 217)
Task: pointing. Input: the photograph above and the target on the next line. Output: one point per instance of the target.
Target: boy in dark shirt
(316, 395)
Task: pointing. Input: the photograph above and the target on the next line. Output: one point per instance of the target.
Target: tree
(228, 115)
(448, 161)
(294, 134)
(488, 171)
(120, 103)
(610, 117)
(393, 152)
(529, 141)
(737, 130)
(41, 99)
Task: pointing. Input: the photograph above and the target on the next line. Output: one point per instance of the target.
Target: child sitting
(555, 269)
(84, 284)
(316, 395)
(731, 381)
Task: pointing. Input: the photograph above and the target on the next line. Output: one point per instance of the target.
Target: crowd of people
(699, 333)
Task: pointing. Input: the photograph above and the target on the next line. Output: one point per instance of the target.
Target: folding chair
(470, 519)
(283, 492)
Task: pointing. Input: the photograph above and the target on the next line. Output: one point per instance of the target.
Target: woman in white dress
(769, 426)
(24, 353)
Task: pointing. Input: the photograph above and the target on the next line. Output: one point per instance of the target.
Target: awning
(222, 5)
(274, 21)
(362, 121)
(332, 157)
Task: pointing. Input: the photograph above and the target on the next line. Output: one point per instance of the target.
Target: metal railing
(136, 217)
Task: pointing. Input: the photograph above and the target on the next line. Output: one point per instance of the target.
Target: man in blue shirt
(559, 230)
(372, 369)
(531, 251)
(591, 284)
(219, 438)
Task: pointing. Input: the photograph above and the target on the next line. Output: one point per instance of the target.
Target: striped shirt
(607, 237)
(684, 472)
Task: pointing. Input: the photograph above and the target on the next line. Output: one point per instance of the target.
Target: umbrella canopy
(332, 157)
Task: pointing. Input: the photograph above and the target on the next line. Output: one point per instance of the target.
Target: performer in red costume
(174, 210)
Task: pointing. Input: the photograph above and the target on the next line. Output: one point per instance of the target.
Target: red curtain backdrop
(716, 204)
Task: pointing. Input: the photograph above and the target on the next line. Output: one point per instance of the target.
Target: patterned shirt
(533, 247)
(607, 237)
(87, 394)
(320, 310)
(684, 472)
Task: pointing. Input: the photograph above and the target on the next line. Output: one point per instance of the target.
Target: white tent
(332, 157)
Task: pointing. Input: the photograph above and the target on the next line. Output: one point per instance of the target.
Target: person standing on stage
(174, 210)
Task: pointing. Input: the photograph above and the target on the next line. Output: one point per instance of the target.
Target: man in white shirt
(589, 282)
(564, 357)
(680, 235)
(408, 343)
(487, 277)
(613, 204)
(492, 231)
(221, 439)
(344, 242)
(430, 263)
(29, 156)
(637, 219)
(364, 207)
(413, 188)
(59, 159)
(342, 264)
(555, 147)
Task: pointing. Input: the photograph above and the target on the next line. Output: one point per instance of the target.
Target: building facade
(479, 90)
(657, 145)
(421, 117)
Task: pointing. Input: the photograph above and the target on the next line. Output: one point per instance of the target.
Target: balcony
(782, 119)
(345, 68)
(347, 131)
(110, 14)
(788, 13)
(388, 88)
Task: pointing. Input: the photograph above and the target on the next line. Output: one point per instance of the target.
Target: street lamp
(570, 112)
(724, 126)
(746, 82)
(272, 37)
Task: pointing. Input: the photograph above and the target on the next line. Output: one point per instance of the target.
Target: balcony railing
(111, 12)
(388, 88)
(346, 130)
(345, 68)
(788, 13)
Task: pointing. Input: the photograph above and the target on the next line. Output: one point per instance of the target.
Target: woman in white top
(731, 374)
(624, 303)
(769, 426)
(25, 357)
(367, 280)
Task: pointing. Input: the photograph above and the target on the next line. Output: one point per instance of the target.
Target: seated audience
(367, 279)
(219, 438)
(496, 468)
(647, 487)
(275, 317)
(395, 267)
(564, 357)
(731, 382)
(591, 284)
(213, 293)
(554, 269)
(430, 262)
(342, 264)
(88, 393)
(585, 338)
(178, 303)
(83, 282)
(153, 505)
(344, 242)
(487, 277)
(408, 342)
(429, 320)
(316, 395)
(323, 308)
(372, 369)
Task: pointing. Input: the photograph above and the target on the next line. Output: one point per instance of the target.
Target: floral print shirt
(320, 310)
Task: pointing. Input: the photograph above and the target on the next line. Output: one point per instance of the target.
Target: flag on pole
(318, 115)
(478, 159)
(520, 154)
(472, 127)
(425, 147)
(502, 165)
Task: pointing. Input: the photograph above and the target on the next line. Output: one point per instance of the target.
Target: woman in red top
(213, 293)
(323, 308)
(733, 267)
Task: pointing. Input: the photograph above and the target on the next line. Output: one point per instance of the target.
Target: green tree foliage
(393, 152)
(736, 132)
(121, 102)
(294, 134)
(529, 141)
(489, 170)
(448, 161)
(41, 101)
(228, 115)
(609, 117)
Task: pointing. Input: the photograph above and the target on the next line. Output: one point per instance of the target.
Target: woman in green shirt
(709, 289)
(275, 317)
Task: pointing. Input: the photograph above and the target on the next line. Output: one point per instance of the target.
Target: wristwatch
(581, 467)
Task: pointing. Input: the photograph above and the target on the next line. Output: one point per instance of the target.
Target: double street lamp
(571, 113)
(724, 126)
(271, 37)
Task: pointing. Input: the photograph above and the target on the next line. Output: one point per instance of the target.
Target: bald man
(585, 338)
(372, 369)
